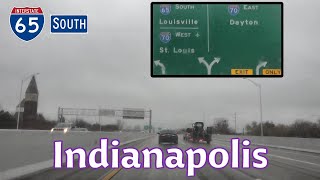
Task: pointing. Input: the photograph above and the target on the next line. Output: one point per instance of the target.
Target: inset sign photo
(229, 39)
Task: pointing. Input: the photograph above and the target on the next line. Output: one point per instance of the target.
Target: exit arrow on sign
(209, 67)
(261, 64)
(163, 68)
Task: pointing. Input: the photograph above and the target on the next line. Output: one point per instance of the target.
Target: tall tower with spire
(29, 105)
(31, 99)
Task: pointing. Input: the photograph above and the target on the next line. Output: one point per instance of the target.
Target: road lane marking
(285, 152)
(282, 157)
(183, 143)
(113, 172)
(296, 153)
(306, 162)
(284, 148)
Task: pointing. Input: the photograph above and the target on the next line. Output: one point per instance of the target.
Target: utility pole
(150, 121)
(19, 105)
(260, 101)
(99, 118)
(58, 114)
(261, 126)
(235, 123)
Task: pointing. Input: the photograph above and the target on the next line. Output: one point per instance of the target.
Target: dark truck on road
(197, 133)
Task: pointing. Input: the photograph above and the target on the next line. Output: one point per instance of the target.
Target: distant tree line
(80, 123)
(9, 121)
(221, 126)
(300, 128)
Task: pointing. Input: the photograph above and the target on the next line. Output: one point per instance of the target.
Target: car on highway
(168, 136)
(62, 127)
(67, 127)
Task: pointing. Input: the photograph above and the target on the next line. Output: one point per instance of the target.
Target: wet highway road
(283, 164)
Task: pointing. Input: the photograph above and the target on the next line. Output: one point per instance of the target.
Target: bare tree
(300, 128)
(222, 126)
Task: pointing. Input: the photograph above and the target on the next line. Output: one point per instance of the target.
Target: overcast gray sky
(110, 67)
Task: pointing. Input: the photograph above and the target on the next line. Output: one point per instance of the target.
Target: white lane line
(182, 143)
(221, 143)
(282, 157)
(296, 153)
(306, 162)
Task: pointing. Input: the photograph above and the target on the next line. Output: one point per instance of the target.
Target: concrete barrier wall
(24, 147)
(291, 142)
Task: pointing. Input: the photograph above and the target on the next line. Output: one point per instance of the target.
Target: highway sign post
(217, 39)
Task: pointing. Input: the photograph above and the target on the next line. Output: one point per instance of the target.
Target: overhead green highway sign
(240, 39)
